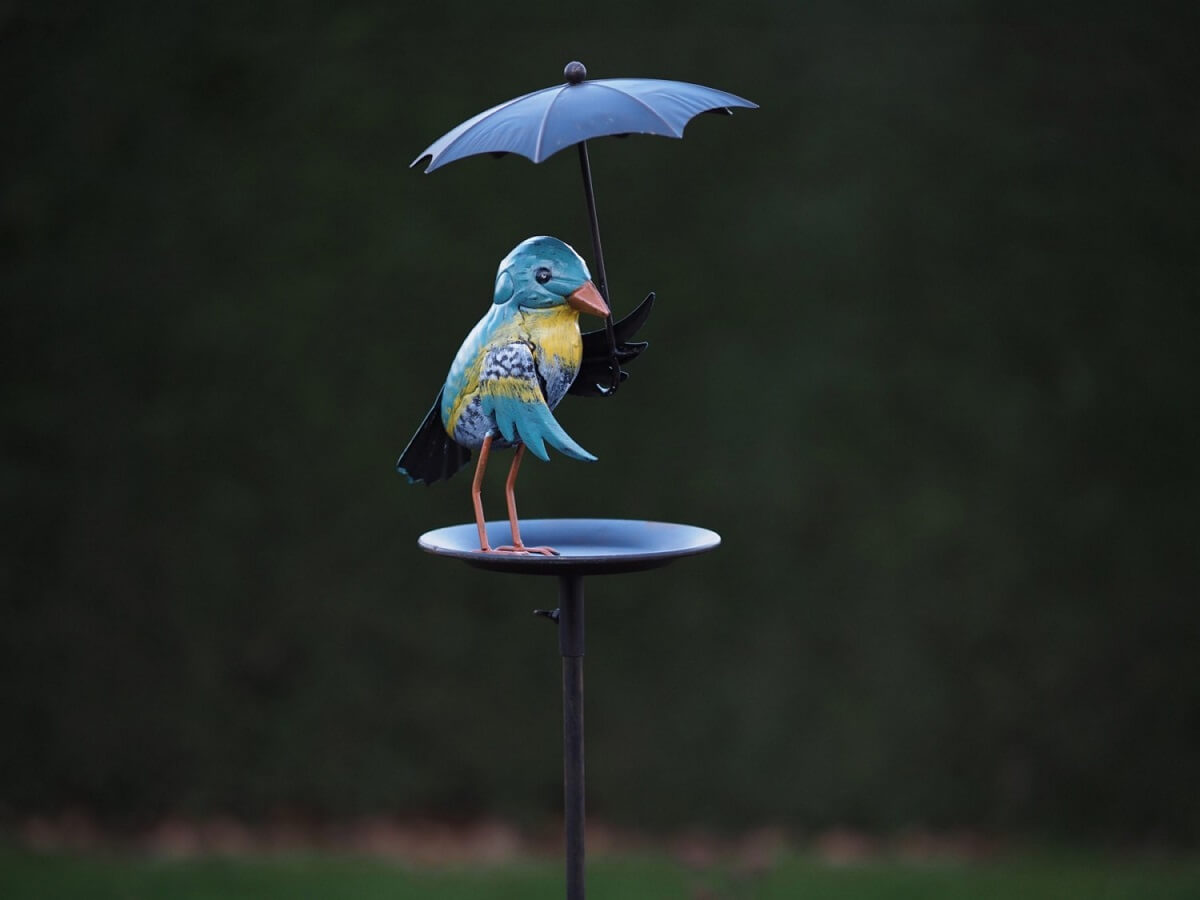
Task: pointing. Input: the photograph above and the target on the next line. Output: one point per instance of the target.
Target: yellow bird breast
(553, 335)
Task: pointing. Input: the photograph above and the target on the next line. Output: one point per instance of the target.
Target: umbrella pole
(602, 277)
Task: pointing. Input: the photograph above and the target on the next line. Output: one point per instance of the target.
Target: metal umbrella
(539, 124)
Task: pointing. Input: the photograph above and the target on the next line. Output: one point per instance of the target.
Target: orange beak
(587, 299)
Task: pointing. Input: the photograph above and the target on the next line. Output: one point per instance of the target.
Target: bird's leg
(511, 498)
(476, 500)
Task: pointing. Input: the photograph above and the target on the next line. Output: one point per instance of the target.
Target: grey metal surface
(586, 546)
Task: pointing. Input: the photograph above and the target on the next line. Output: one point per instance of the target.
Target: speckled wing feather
(509, 390)
(593, 370)
(432, 455)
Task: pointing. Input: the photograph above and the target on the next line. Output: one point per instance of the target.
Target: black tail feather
(432, 455)
(593, 370)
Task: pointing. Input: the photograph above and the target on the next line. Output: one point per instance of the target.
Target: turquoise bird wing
(510, 391)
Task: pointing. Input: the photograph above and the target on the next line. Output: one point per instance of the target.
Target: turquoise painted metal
(510, 373)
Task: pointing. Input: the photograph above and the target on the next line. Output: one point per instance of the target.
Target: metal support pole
(570, 646)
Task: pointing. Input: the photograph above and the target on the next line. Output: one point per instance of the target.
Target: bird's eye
(542, 275)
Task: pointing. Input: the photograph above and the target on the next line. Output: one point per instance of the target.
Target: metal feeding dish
(585, 546)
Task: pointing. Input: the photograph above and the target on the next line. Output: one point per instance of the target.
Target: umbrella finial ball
(575, 72)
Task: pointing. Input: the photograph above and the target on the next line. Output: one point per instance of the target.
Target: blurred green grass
(52, 876)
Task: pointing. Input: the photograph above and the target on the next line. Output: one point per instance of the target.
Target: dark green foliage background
(924, 355)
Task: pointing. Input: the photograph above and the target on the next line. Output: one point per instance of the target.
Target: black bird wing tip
(432, 455)
(409, 476)
(594, 367)
(630, 325)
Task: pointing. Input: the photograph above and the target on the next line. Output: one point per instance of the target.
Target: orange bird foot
(521, 548)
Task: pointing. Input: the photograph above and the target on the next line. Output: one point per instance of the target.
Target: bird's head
(543, 272)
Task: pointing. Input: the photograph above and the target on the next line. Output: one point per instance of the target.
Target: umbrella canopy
(539, 124)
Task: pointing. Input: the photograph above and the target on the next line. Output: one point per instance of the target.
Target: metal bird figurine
(515, 366)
